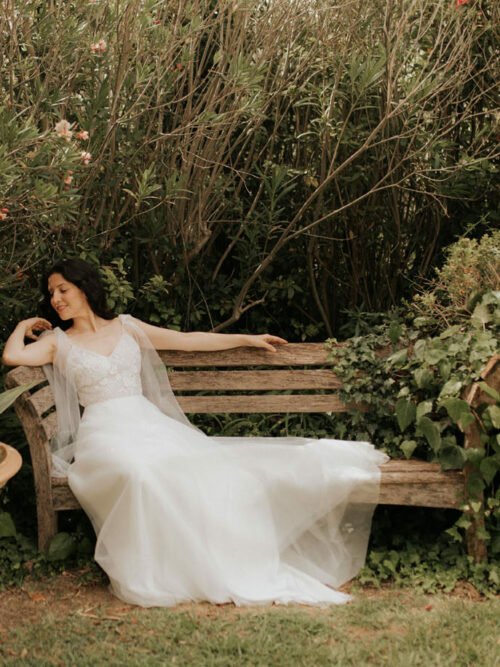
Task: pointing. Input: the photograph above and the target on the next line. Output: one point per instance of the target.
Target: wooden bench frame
(412, 483)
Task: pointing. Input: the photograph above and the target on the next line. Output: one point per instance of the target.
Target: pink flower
(86, 157)
(459, 3)
(99, 47)
(63, 129)
(3, 213)
(68, 179)
(83, 135)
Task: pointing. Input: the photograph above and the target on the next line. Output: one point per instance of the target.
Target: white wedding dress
(181, 516)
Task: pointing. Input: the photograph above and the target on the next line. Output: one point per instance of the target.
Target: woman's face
(66, 298)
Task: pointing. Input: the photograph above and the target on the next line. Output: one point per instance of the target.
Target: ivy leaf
(431, 432)
(398, 358)
(7, 528)
(408, 447)
(433, 356)
(452, 456)
(494, 414)
(453, 386)
(423, 408)
(475, 455)
(495, 545)
(489, 468)
(489, 390)
(395, 331)
(61, 546)
(423, 377)
(444, 369)
(475, 484)
(458, 409)
(451, 331)
(405, 412)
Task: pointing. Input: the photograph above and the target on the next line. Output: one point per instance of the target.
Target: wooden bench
(225, 378)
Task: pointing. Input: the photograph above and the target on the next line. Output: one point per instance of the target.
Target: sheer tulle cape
(155, 386)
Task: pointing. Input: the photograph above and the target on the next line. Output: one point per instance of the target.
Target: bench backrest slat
(253, 380)
(268, 403)
(293, 354)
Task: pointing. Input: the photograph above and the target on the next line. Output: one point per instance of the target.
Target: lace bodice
(98, 377)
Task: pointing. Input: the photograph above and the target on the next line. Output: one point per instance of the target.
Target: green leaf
(408, 447)
(398, 358)
(423, 377)
(7, 528)
(475, 455)
(475, 484)
(456, 407)
(433, 356)
(444, 369)
(395, 331)
(481, 314)
(431, 432)
(452, 456)
(489, 468)
(405, 412)
(490, 391)
(61, 546)
(495, 545)
(424, 408)
(8, 397)
(494, 414)
(451, 331)
(453, 386)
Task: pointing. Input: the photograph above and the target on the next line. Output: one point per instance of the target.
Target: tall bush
(282, 160)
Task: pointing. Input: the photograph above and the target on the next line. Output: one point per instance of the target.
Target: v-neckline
(99, 354)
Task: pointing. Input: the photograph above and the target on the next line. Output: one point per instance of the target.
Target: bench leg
(47, 526)
(476, 547)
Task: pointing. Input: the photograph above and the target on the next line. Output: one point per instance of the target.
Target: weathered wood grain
(293, 354)
(24, 374)
(261, 404)
(42, 400)
(42, 464)
(253, 380)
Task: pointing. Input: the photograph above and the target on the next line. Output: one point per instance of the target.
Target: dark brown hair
(85, 277)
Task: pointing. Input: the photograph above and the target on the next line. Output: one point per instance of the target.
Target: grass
(399, 628)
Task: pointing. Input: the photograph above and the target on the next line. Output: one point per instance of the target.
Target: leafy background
(315, 170)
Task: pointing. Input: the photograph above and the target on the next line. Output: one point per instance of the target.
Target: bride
(180, 516)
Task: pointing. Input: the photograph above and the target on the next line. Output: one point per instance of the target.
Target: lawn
(65, 621)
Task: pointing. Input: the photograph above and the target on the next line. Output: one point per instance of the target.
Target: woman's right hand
(33, 324)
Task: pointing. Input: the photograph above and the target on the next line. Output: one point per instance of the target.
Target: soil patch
(69, 593)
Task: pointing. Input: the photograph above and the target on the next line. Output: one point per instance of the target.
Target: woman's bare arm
(16, 353)
(168, 339)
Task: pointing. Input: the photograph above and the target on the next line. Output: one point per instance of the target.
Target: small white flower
(63, 129)
(99, 47)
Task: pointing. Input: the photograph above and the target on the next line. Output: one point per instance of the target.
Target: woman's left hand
(266, 341)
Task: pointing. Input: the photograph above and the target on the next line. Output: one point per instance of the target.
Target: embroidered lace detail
(99, 378)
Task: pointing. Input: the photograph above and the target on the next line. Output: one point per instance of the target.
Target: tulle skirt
(180, 516)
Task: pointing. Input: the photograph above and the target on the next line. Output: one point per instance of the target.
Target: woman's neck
(88, 323)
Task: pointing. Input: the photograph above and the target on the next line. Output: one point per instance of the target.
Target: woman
(179, 515)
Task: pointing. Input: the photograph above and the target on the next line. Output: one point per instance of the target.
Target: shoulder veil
(155, 387)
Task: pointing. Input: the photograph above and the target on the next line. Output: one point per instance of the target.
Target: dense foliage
(412, 374)
(291, 166)
(259, 163)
